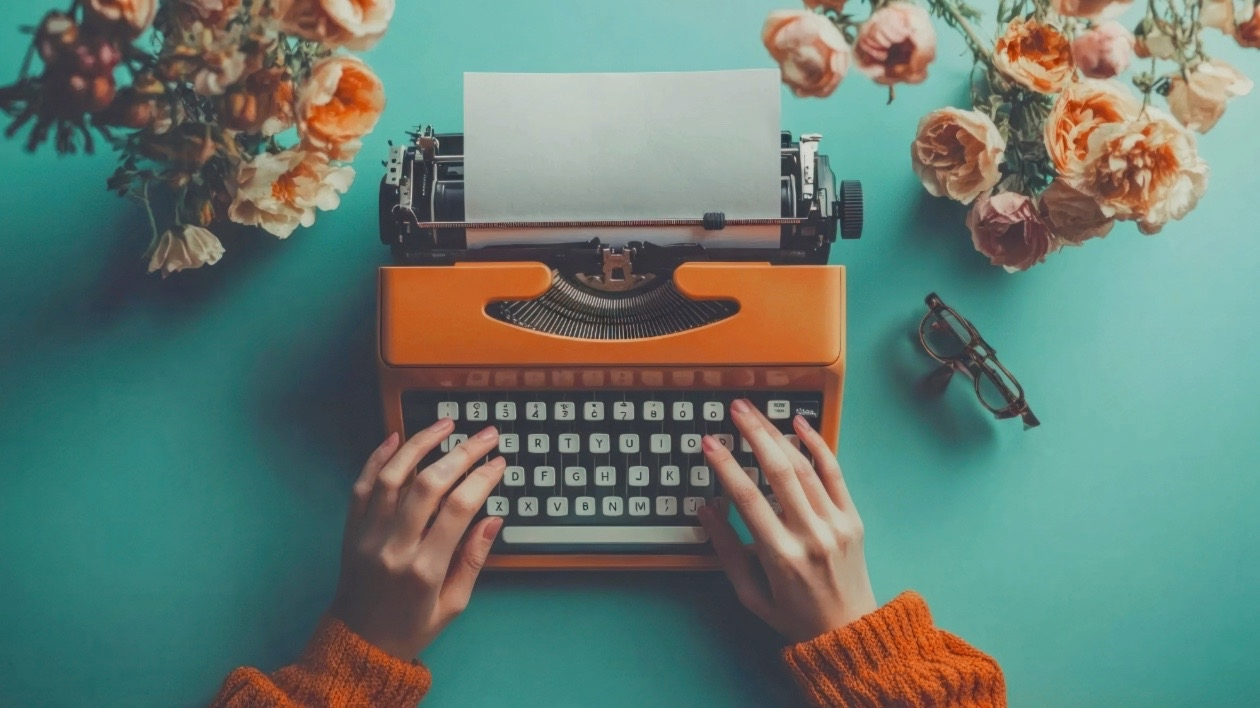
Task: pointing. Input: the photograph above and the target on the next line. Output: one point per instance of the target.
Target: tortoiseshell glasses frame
(950, 339)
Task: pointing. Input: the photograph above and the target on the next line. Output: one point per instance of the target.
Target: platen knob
(850, 209)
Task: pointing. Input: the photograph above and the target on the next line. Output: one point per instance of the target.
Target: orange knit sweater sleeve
(895, 656)
(338, 668)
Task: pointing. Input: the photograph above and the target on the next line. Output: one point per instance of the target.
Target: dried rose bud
(57, 35)
(240, 109)
(77, 94)
(94, 57)
(130, 109)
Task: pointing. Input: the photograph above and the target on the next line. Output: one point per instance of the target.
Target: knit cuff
(355, 672)
(854, 664)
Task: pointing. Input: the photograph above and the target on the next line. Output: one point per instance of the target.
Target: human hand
(805, 573)
(401, 582)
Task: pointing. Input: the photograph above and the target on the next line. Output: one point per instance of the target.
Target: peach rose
(1006, 228)
(896, 44)
(1200, 102)
(1078, 111)
(1093, 9)
(1154, 40)
(811, 52)
(1104, 51)
(1248, 32)
(262, 103)
(957, 154)
(340, 103)
(1218, 14)
(1146, 170)
(1034, 55)
(192, 247)
(280, 192)
(354, 24)
(134, 15)
(1073, 217)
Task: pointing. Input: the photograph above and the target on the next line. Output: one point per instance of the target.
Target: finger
(826, 464)
(774, 464)
(467, 566)
(736, 561)
(805, 474)
(362, 490)
(432, 484)
(396, 472)
(457, 513)
(759, 517)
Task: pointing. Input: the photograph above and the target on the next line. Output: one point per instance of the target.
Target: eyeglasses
(954, 342)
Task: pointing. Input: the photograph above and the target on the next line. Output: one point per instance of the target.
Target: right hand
(805, 573)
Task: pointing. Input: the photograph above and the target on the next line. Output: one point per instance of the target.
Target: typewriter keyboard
(604, 471)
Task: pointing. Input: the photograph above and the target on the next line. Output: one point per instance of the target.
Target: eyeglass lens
(944, 335)
(989, 385)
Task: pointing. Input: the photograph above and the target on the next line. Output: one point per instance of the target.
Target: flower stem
(953, 16)
(148, 208)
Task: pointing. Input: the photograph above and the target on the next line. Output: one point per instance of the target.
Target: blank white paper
(622, 146)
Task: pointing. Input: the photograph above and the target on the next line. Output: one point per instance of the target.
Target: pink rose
(1104, 51)
(1073, 217)
(1006, 228)
(811, 52)
(896, 44)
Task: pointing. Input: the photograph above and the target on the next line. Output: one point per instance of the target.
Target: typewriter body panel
(602, 367)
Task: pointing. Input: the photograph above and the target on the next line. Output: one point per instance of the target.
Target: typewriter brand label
(807, 411)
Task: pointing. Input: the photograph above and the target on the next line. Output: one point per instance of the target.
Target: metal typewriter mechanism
(600, 292)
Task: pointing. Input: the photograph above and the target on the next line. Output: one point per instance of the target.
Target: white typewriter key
(509, 443)
(639, 476)
(714, 411)
(514, 476)
(670, 476)
(565, 410)
(544, 476)
(660, 443)
(639, 506)
(628, 443)
(726, 440)
(593, 410)
(623, 410)
(568, 442)
(667, 506)
(754, 474)
(794, 441)
(575, 476)
(448, 409)
(700, 476)
(558, 506)
(584, 506)
(605, 476)
(744, 446)
(539, 443)
(453, 441)
(477, 410)
(612, 506)
(600, 443)
(653, 410)
(505, 410)
(778, 410)
(497, 506)
(535, 411)
(683, 410)
(527, 506)
(691, 505)
(689, 443)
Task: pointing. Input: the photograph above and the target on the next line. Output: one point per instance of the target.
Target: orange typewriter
(601, 365)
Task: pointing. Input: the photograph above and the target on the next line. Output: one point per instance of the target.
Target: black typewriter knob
(849, 208)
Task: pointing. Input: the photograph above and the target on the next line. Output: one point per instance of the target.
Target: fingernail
(498, 462)
(486, 434)
(800, 421)
(389, 441)
(739, 406)
(441, 424)
(492, 529)
(710, 444)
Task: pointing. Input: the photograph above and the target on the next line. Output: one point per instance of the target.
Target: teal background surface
(175, 456)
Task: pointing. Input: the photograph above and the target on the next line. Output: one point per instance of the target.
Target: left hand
(402, 579)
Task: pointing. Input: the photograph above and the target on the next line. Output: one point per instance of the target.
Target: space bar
(604, 534)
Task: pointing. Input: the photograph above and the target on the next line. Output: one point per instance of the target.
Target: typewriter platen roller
(603, 366)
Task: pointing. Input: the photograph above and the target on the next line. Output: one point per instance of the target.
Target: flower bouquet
(1053, 149)
(235, 110)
